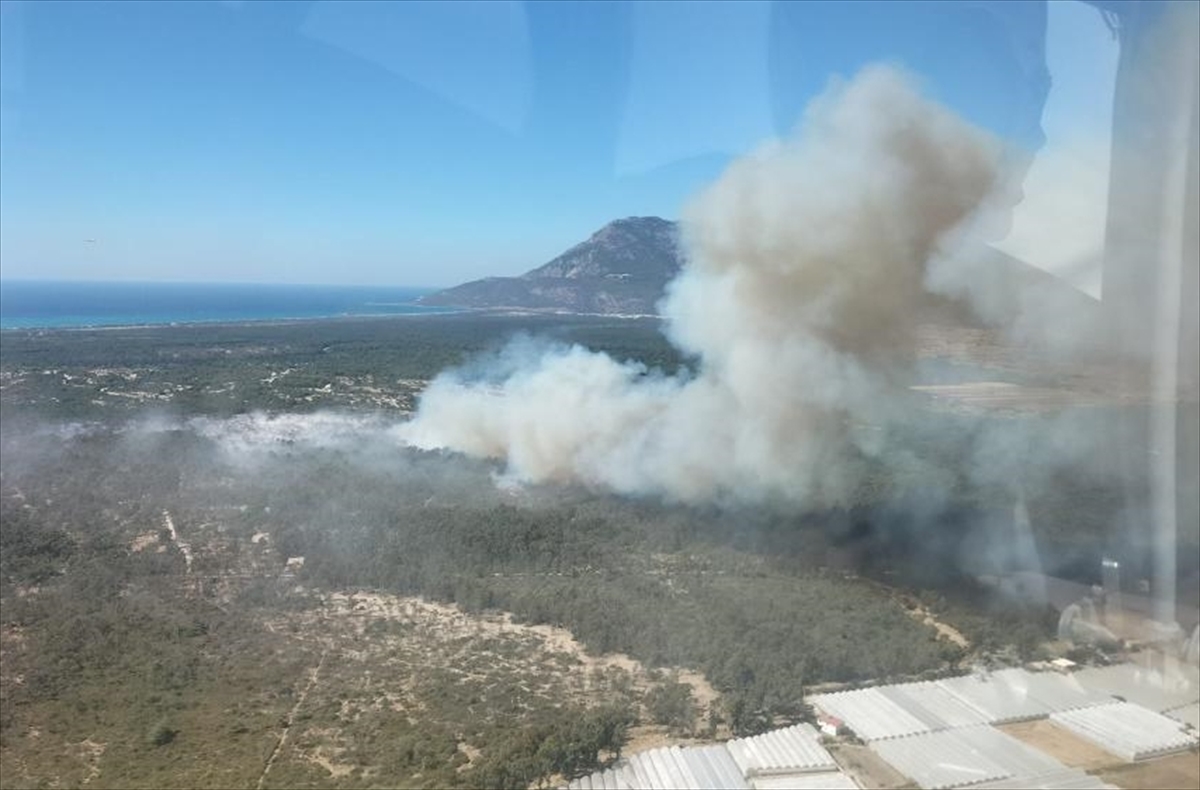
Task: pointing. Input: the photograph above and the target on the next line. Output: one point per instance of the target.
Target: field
(1061, 744)
(1178, 770)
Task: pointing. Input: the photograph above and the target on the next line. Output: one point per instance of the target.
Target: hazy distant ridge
(621, 269)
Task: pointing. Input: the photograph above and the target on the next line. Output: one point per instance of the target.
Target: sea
(30, 304)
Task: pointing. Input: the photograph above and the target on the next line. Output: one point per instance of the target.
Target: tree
(671, 704)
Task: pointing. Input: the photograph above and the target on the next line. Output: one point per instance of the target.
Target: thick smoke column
(804, 284)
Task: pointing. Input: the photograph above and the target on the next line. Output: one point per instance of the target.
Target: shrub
(161, 733)
(671, 704)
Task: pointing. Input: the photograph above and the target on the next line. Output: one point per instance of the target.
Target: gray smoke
(807, 264)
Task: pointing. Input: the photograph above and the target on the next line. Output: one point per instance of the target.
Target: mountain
(622, 269)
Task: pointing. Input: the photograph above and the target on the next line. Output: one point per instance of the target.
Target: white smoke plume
(807, 263)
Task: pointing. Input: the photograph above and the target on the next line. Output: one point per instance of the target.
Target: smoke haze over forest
(806, 282)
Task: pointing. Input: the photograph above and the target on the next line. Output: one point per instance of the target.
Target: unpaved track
(184, 548)
(291, 717)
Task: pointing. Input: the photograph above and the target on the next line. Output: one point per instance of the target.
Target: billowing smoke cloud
(807, 264)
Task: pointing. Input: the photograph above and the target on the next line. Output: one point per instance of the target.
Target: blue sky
(427, 143)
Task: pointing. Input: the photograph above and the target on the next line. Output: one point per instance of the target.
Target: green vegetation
(671, 704)
(188, 679)
(127, 663)
(567, 746)
(301, 366)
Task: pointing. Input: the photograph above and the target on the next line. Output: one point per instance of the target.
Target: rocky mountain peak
(621, 268)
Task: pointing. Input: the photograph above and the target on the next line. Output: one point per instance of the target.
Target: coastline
(429, 312)
(271, 321)
(34, 305)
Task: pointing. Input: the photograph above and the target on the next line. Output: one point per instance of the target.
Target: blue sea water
(28, 304)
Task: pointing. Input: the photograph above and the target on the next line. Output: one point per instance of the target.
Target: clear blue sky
(424, 143)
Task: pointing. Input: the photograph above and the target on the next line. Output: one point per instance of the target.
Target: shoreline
(272, 321)
(292, 320)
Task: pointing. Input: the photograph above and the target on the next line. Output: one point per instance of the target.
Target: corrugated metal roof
(965, 756)
(1127, 730)
(790, 750)
(997, 696)
(1188, 714)
(1150, 688)
(826, 780)
(870, 714)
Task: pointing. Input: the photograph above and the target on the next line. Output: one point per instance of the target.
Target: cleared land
(353, 690)
(1176, 772)
(1061, 744)
(867, 767)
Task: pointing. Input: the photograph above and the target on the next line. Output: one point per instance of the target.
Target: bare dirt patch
(90, 753)
(1061, 744)
(144, 541)
(411, 683)
(867, 768)
(649, 736)
(948, 631)
(184, 548)
(1174, 771)
(336, 770)
(449, 621)
(472, 754)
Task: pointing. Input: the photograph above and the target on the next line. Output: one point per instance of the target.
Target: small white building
(830, 725)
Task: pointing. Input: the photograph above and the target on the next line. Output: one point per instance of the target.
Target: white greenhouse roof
(611, 779)
(1127, 730)
(1150, 688)
(826, 780)
(667, 768)
(966, 756)
(1070, 779)
(1001, 698)
(790, 757)
(712, 766)
(793, 749)
(870, 714)
(935, 705)
(1188, 714)
(1056, 692)
(938, 734)
(997, 698)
